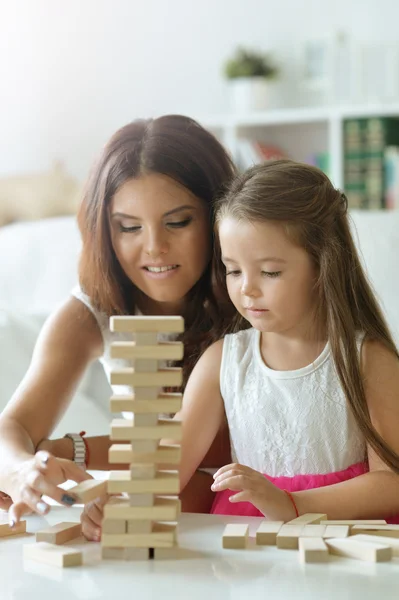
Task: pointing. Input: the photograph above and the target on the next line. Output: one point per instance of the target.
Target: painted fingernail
(45, 460)
(12, 523)
(41, 507)
(69, 500)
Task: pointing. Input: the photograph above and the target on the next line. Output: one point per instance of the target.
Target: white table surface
(203, 571)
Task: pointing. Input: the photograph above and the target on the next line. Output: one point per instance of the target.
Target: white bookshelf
(297, 131)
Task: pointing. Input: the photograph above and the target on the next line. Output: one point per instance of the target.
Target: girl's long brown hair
(180, 148)
(315, 214)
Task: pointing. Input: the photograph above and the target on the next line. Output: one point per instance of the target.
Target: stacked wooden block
(315, 537)
(143, 524)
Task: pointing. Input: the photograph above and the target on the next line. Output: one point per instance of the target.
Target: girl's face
(161, 237)
(270, 279)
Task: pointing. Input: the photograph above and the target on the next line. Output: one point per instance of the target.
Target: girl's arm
(202, 412)
(68, 342)
(375, 494)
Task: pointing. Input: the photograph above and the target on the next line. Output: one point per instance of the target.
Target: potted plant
(249, 74)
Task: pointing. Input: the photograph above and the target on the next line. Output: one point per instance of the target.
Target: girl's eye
(272, 274)
(233, 273)
(131, 229)
(178, 224)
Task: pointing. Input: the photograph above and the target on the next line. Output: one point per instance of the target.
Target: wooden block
(136, 553)
(112, 553)
(354, 522)
(143, 471)
(51, 554)
(136, 526)
(314, 531)
(147, 324)
(287, 537)
(160, 351)
(169, 377)
(123, 453)
(336, 531)
(144, 446)
(124, 429)
(166, 553)
(145, 365)
(147, 393)
(165, 482)
(316, 518)
(163, 509)
(392, 542)
(353, 548)
(267, 532)
(88, 490)
(142, 338)
(380, 530)
(163, 403)
(158, 538)
(235, 536)
(145, 420)
(312, 550)
(7, 531)
(60, 533)
(117, 526)
(141, 500)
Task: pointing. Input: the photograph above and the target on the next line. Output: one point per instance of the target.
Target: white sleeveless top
(109, 336)
(286, 422)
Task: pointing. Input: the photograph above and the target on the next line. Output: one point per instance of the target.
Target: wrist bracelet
(290, 496)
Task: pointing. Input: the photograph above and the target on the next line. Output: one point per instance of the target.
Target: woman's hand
(253, 487)
(39, 476)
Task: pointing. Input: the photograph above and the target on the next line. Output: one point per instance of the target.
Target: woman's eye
(178, 224)
(131, 229)
(271, 274)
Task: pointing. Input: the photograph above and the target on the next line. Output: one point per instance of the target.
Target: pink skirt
(222, 506)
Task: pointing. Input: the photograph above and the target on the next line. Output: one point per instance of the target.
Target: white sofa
(38, 270)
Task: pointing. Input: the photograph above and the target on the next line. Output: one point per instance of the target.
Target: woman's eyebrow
(170, 212)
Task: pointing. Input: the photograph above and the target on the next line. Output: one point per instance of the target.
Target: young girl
(311, 391)
(146, 224)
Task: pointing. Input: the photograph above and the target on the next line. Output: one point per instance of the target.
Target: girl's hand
(93, 514)
(39, 476)
(253, 487)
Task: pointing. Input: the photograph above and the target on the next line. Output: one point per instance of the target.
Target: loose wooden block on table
(60, 533)
(315, 531)
(267, 532)
(165, 482)
(336, 531)
(287, 537)
(388, 531)
(88, 490)
(353, 548)
(385, 541)
(308, 518)
(125, 429)
(162, 403)
(160, 351)
(312, 550)
(51, 554)
(7, 531)
(163, 509)
(123, 453)
(172, 376)
(235, 536)
(147, 324)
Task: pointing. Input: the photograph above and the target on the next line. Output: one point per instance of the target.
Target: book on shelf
(253, 152)
(391, 165)
(365, 160)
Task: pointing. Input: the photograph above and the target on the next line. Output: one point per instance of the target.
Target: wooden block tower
(143, 524)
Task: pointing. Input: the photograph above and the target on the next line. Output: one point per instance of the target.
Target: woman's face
(161, 237)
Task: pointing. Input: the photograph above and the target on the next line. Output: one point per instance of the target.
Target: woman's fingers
(39, 484)
(33, 504)
(92, 517)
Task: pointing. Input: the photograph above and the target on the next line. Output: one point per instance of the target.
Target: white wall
(71, 72)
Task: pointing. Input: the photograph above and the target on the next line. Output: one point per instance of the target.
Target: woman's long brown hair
(315, 215)
(180, 148)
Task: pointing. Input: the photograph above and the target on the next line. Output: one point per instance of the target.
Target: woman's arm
(68, 342)
(375, 494)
